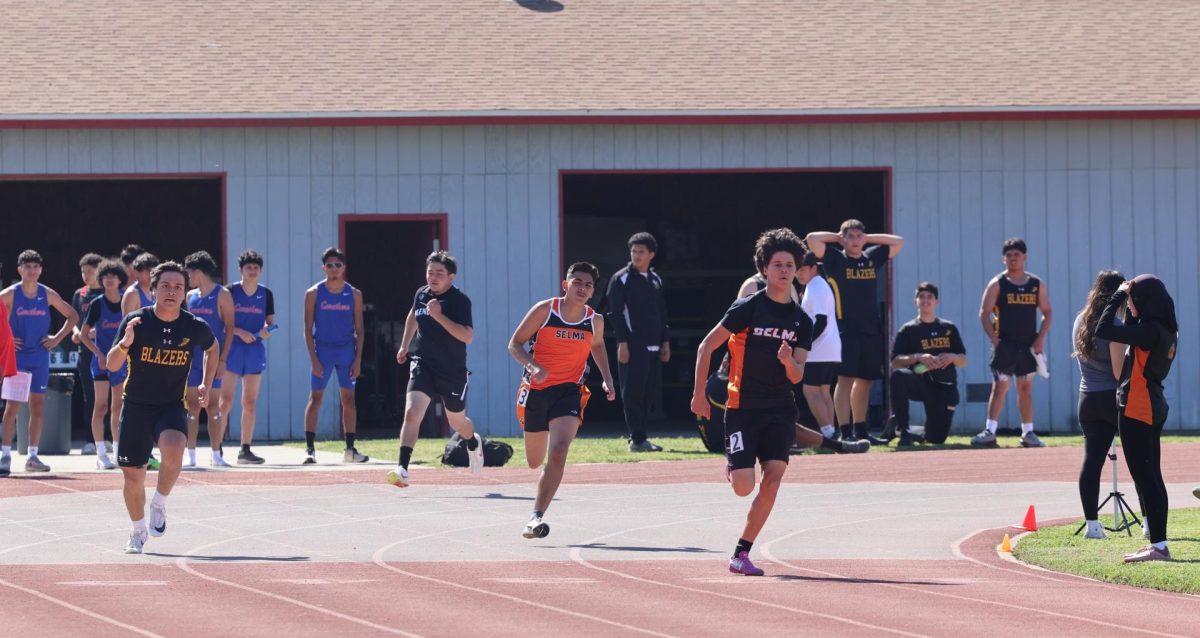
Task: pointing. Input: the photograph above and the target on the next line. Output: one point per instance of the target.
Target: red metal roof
(148, 59)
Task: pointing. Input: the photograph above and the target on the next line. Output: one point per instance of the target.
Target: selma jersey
(855, 283)
(562, 347)
(757, 379)
(933, 338)
(161, 355)
(433, 345)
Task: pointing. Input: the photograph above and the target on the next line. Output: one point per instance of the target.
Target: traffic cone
(1030, 522)
(1006, 545)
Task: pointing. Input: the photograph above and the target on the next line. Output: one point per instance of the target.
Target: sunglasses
(334, 264)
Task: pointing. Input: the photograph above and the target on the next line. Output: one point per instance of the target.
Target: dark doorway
(706, 224)
(385, 258)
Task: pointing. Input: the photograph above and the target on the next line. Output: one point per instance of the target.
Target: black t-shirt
(161, 355)
(855, 284)
(757, 380)
(433, 345)
(1016, 311)
(81, 301)
(934, 338)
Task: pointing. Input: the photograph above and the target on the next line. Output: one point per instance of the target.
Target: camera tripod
(1124, 516)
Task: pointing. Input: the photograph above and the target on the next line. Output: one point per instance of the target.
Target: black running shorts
(141, 425)
(862, 357)
(451, 389)
(1011, 359)
(537, 408)
(762, 435)
(822, 373)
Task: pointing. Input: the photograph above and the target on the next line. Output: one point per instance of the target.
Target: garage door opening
(706, 224)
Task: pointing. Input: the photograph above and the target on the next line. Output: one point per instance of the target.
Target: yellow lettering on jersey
(860, 273)
(173, 358)
(935, 343)
(1022, 298)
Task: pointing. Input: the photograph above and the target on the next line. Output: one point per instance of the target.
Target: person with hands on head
(1151, 331)
(253, 316)
(768, 337)
(637, 311)
(434, 345)
(97, 334)
(159, 343)
(333, 332)
(853, 271)
(926, 354)
(29, 304)
(561, 332)
(1008, 313)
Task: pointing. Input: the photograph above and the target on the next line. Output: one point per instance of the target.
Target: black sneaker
(906, 439)
(246, 457)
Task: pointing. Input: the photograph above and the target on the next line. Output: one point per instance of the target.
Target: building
(522, 135)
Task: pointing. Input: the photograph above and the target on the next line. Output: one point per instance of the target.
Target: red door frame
(442, 220)
(104, 177)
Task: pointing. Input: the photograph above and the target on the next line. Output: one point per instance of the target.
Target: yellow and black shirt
(1016, 310)
(160, 358)
(855, 282)
(757, 380)
(936, 337)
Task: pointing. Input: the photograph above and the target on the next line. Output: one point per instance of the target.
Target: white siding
(1086, 195)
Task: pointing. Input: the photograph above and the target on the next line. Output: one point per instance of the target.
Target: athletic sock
(1093, 526)
(140, 525)
(860, 430)
(847, 431)
(5, 450)
(1160, 546)
(405, 456)
(828, 431)
(216, 455)
(192, 455)
(33, 450)
(992, 424)
(742, 546)
(472, 443)
(829, 444)
(1026, 428)
(310, 439)
(537, 514)
(158, 500)
(349, 441)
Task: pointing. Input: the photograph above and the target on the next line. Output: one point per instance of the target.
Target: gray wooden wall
(1085, 195)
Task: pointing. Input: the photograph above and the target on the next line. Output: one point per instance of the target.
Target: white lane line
(80, 610)
(113, 583)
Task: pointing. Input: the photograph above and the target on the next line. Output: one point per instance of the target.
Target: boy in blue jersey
(212, 303)
(140, 294)
(29, 304)
(98, 330)
(333, 332)
(253, 314)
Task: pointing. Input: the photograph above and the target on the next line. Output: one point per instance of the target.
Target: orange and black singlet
(1147, 362)
(757, 379)
(562, 347)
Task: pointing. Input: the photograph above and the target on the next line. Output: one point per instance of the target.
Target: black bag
(495, 453)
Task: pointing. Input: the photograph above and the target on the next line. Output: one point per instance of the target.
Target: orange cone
(1006, 545)
(1030, 522)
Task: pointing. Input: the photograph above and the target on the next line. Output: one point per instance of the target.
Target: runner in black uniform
(769, 337)
(925, 357)
(1008, 313)
(80, 301)
(853, 273)
(159, 342)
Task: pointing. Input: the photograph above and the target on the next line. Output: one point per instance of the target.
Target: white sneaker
(475, 457)
(137, 539)
(1095, 532)
(398, 476)
(1029, 439)
(189, 460)
(158, 520)
(218, 461)
(104, 463)
(536, 528)
(986, 438)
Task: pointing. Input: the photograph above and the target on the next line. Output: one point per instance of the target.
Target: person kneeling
(925, 355)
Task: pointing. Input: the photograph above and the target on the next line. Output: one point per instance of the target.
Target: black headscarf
(1152, 301)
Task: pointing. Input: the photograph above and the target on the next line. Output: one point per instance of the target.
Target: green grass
(1058, 549)
(614, 449)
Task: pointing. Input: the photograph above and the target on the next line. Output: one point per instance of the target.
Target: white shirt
(818, 300)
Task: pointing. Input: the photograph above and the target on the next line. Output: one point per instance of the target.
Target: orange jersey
(562, 348)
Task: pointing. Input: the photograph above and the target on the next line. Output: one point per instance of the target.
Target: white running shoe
(475, 456)
(218, 461)
(1029, 439)
(104, 463)
(137, 539)
(1096, 533)
(158, 520)
(398, 476)
(189, 460)
(536, 528)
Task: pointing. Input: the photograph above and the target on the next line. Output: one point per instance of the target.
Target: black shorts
(1011, 359)
(762, 435)
(450, 389)
(537, 408)
(862, 357)
(141, 426)
(822, 373)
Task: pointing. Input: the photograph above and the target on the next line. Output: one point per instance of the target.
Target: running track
(895, 544)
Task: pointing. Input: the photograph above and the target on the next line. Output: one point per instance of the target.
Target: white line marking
(323, 581)
(548, 580)
(75, 608)
(114, 583)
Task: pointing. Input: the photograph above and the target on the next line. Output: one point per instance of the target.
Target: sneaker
(874, 440)
(398, 476)
(153, 463)
(644, 446)
(1097, 534)
(34, 464)
(246, 457)
(310, 457)
(5, 465)
(741, 564)
(889, 430)
(109, 448)
(1148, 553)
(906, 439)
(137, 539)
(475, 457)
(218, 461)
(1030, 439)
(1196, 491)
(88, 448)
(856, 447)
(984, 438)
(158, 520)
(188, 460)
(535, 528)
(104, 463)
(351, 455)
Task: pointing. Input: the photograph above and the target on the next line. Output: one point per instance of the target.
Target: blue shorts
(246, 358)
(36, 364)
(197, 373)
(101, 373)
(339, 359)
